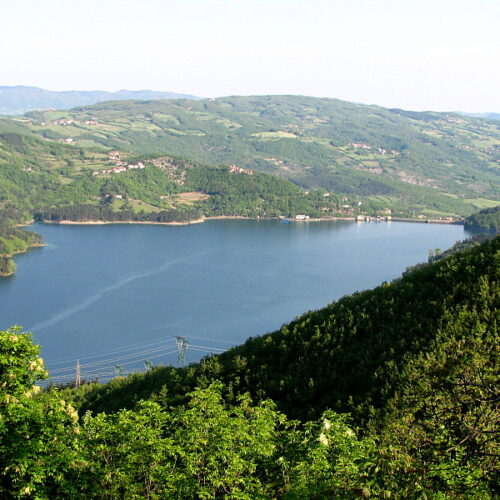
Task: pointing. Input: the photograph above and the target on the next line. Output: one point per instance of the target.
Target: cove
(99, 289)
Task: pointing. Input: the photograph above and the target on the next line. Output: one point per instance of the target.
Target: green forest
(387, 393)
(13, 240)
(485, 220)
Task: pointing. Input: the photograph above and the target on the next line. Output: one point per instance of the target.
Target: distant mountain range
(486, 116)
(15, 100)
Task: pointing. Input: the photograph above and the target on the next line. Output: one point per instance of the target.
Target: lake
(119, 294)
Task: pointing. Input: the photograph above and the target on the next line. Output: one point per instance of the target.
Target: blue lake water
(94, 292)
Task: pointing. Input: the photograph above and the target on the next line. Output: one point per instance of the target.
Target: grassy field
(483, 203)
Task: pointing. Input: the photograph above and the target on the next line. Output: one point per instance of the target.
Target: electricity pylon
(182, 344)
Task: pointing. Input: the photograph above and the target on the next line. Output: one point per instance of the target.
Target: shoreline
(103, 222)
(243, 217)
(27, 249)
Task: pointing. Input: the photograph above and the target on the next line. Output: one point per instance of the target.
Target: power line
(213, 340)
(203, 350)
(122, 349)
(206, 347)
(105, 353)
(98, 372)
(101, 369)
(140, 353)
(135, 361)
(109, 360)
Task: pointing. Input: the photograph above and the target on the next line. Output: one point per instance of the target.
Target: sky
(441, 55)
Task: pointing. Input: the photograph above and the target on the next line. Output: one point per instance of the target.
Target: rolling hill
(431, 162)
(395, 389)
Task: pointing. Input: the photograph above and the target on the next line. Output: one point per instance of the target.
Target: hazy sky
(413, 54)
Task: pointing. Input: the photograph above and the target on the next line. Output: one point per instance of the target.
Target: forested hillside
(13, 240)
(414, 362)
(347, 356)
(430, 162)
(486, 220)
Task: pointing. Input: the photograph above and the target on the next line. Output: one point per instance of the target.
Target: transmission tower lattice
(182, 344)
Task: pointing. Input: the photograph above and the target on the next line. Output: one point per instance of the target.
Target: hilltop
(487, 116)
